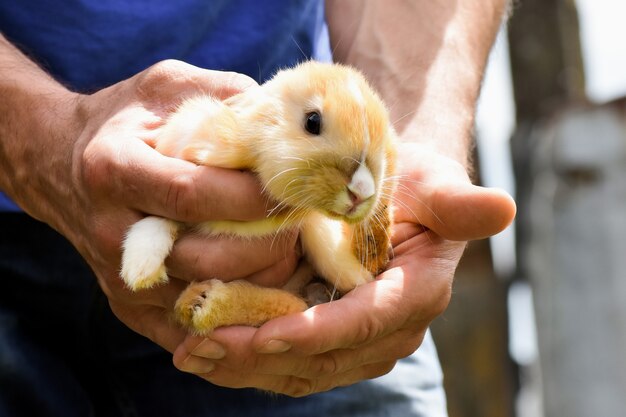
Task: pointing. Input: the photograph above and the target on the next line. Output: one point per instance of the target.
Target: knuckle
(110, 287)
(168, 66)
(323, 365)
(107, 238)
(179, 362)
(408, 348)
(443, 300)
(96, 170)
(284, 269)
(182, 196)
(442, 294)
(114, 289)
(366, 372)
(156, 83)
(404, 342)
(436, 302)
(368, 330)
(233, 83)
(158, 74)
(297, 387)
(230, 381)
(104, 172)
(248, 363)
(380, 369)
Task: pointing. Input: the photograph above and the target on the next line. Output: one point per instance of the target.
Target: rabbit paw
(204, 306)
(147, 244)
(143, 273)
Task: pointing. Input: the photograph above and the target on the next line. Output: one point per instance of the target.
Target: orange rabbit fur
(320, 141)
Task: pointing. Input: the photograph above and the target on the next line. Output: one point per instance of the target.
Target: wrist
(425, 59)
(439, 113)
(39, 120)
(39, 154)
(438, 128)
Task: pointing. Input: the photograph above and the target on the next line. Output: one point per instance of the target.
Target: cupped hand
(111, 176)
(363, 334)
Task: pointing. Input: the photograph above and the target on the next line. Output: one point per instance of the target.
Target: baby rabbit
(321, 143)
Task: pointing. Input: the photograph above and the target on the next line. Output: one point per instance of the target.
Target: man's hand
(363, 334)
(84, 165)
(120, 177)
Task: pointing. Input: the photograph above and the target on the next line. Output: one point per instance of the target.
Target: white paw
(147, 244)
(143, 273)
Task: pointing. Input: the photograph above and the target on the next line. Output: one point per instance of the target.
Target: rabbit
(321, 143)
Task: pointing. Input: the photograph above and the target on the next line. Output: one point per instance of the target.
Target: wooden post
(546, 58)
(571, 184)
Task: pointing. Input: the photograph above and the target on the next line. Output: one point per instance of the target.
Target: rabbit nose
(361, 185)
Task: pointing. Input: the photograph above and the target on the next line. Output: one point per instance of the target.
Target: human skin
(437, 210)
(96, 174)
(84, 165)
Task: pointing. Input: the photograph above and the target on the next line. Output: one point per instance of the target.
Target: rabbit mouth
(352, 212)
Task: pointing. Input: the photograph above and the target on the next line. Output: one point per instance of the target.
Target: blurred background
(537, 322)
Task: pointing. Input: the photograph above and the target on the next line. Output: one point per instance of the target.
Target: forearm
(425, 58)
(34, 147)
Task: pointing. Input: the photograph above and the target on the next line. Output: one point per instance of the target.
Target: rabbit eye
(313, 123)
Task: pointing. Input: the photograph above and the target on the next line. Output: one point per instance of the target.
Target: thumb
(319, 330)
(462, 211)
(367, 313)
(436, 192)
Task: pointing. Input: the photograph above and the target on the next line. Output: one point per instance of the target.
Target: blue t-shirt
(90, 44)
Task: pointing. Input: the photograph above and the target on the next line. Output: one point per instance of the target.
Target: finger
(414, 290)
(155, 184)
(277, 274)
(336, 362)
(170, 80)
(457, 211)
(196, 352)
(216, 372)
(269, 260)
(317, 330)
(294, 386)
(437, 193)
(151, 322)
(242, 358)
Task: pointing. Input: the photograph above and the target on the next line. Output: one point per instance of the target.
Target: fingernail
(275, 346)
(209, 349)
(197, 365)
